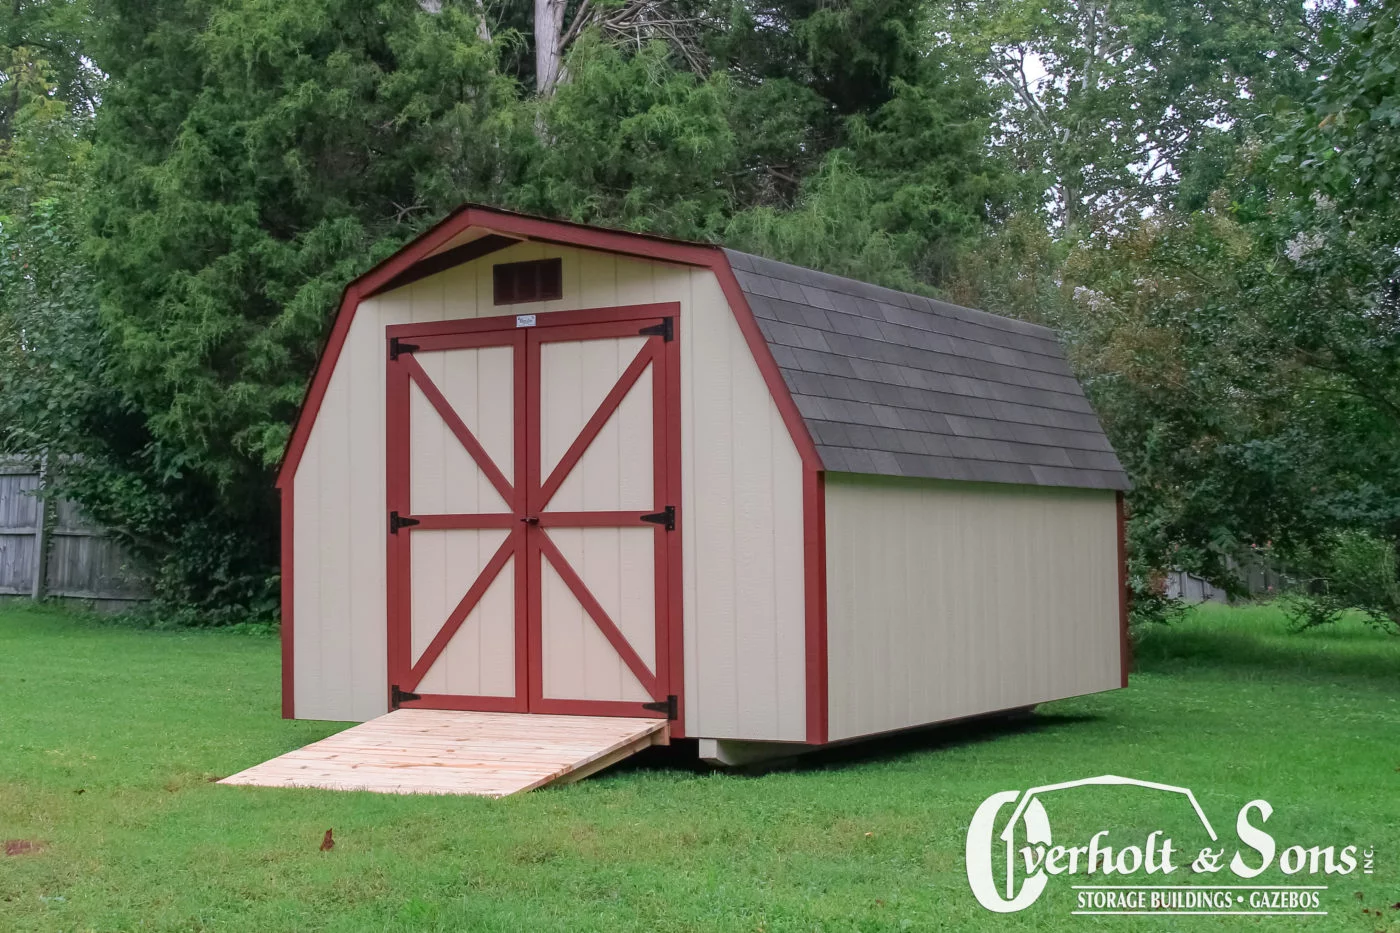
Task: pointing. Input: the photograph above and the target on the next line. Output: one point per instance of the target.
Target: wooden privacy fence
(1257, 573)
(48, 549)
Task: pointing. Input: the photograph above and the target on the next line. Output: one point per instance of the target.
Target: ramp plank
(429, 751)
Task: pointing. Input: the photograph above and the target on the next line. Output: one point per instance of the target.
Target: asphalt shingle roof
(901, 385)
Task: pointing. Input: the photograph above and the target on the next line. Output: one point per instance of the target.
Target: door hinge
(397, 521)
(664, 330)
(397, 696)
(666, 517)
(397, 346)
(667, 706)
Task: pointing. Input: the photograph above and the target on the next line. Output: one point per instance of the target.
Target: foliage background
(1198, 193)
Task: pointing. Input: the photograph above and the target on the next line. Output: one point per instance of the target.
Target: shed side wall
(950, 599)
(741, 508)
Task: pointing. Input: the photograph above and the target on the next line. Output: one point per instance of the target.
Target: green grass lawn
(109, 738)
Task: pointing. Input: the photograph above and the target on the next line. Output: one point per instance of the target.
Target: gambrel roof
(902, 385)
(867, 379)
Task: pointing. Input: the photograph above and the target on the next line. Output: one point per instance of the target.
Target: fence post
(41, 532)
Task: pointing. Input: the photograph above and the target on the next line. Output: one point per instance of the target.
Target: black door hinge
(397, 346)
(397, 696)
(664, 330)
(397, 521)
(666, 517)
(667, 706)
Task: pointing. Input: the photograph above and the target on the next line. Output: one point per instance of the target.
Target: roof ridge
(986, 318)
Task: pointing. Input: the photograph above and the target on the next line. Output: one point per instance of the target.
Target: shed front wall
(740, 510)
(947, 599)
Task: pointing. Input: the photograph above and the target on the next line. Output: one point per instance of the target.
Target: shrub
(1349, 571)
(1149, 603)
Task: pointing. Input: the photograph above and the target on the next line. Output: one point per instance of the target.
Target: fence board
(82, 562)
(16, 563)
(19, 508)
(89, 566)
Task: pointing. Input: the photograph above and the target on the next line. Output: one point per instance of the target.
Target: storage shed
(551, 468)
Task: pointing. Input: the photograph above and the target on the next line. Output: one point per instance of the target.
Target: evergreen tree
(250, 159)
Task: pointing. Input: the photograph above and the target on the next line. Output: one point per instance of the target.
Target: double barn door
(531, 496)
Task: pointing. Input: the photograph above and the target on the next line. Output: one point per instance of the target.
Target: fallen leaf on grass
(22, 846)
(327, 843)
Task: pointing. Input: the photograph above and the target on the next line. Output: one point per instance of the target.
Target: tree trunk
(483, 31)
(549, 28)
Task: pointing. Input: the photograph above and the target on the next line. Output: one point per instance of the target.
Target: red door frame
(403, 370)
(528, 497)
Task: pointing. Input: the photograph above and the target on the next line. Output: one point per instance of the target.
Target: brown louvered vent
(537, 280)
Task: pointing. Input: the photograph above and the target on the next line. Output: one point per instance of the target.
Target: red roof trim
(289, 709)
(763, 355)
(645, 246)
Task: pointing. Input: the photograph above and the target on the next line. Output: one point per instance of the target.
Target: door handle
(531, 519)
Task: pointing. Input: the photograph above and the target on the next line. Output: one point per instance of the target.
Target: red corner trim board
(644, 246)
(1125, 645)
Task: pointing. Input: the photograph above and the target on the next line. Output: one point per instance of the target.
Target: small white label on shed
(524, 320)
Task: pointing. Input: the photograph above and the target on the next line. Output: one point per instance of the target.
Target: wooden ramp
(429, 751)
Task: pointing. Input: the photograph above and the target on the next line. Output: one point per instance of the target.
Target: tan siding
(615, 472)
(953, 599)
(741, 508)
(743, 544)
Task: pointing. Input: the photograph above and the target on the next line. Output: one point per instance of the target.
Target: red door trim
(438, 335)
(598, 614)
(622, 708)
(458, 427)
(466, 520)
(660, 355)
(520, 504)
(398, 635)
(480, 704)
(534, 619)
(672, 634)
(464, 607)
(403, 671)
(589, 519)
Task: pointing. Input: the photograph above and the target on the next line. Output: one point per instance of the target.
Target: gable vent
(537, 280)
